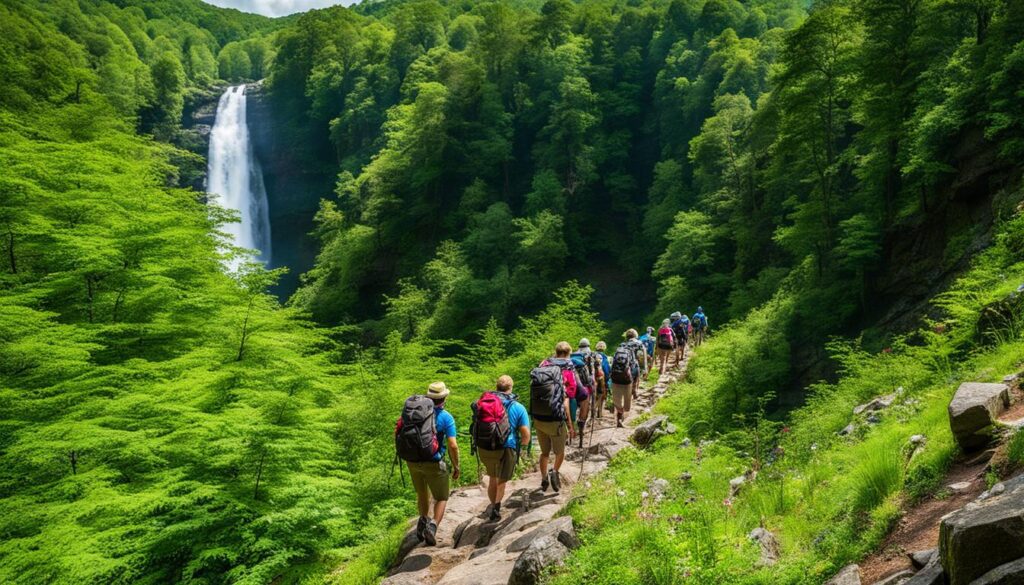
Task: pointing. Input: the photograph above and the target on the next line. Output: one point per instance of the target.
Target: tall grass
(879, 474)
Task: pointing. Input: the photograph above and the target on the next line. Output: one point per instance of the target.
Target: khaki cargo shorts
(500, 464)
(622, 396)
(432, 476)
(552, 436)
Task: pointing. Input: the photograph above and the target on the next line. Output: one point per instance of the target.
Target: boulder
(645, 433)
(880, 403)
(921, 558)
(848, 575)
(931, 574)
(847, 430)
(1011, 573)
(897, 578)
(994, 525)
(657, 488)
(973, 410)
(542, 553)
(735, 485)
(769, 546)
(959, 487)
(560, 529)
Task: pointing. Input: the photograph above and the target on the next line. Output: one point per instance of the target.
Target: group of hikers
(566, 390)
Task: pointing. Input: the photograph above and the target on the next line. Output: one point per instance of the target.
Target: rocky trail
(531, 535)
(965, 534)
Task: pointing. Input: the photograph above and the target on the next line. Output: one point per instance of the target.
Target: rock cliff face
(294, 190)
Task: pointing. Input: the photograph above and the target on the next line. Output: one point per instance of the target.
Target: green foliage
(829, 499)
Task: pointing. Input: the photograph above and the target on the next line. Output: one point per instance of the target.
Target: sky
(277, 7)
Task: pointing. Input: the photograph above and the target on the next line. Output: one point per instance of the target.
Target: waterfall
(234, 176)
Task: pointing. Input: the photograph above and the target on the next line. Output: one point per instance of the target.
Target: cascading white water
(234, 175)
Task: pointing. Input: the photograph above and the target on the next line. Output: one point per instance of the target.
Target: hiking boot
(618, 420)
(495, 513)
(421, 526)
(556, 481)
(544, 482)
(430, 533)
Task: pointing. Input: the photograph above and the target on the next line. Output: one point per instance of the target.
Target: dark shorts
(499, 464)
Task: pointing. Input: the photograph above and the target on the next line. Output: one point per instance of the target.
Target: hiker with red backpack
(666, 344)
(423, 434)
(551, 385)
(500, 428)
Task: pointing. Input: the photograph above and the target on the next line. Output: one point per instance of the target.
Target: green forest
(837, 182)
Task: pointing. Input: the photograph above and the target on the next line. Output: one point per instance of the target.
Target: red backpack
(490, 428)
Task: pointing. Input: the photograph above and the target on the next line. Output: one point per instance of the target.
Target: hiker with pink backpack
(666, 344)
(500, 428)
(552, 384)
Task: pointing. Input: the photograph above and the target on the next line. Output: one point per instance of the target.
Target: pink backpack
(666, 339)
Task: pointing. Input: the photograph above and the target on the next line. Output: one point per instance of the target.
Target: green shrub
(1015, 452)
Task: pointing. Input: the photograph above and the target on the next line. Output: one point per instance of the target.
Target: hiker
(604, 383)
(624, 373)
(423, 434)
(586, 376)
(647, 339)
(644, 358)
(700, 326)
(551, 384)
(500, 428)
(666, 344)
(681, 329)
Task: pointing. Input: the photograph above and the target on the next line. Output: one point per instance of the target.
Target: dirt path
(918, 529)
(473, 551)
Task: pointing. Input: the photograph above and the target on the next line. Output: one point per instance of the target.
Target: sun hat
(584, 342)
(437, 391)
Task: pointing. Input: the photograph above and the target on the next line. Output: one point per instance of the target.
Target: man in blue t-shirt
(501, 465)
(430, 478)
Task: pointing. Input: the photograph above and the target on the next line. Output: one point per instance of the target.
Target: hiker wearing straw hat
(422, 436)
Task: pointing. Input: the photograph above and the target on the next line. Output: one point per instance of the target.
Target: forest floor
(472, 550)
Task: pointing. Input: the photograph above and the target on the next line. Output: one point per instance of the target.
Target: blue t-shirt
(517, 417)
(445, 424)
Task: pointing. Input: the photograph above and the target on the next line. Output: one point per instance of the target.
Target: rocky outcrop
(768, 544)
(983, 535)
(647, 431)
(848, 575)
(973, 411)
(931, 574)
(546, 551)
(899, 578)
(1011, 573)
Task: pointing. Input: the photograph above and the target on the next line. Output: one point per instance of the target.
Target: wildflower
(887, 350)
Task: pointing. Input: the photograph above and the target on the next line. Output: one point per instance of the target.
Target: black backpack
(416, 431)
(547, 393)
(622, 365)
(491, 427)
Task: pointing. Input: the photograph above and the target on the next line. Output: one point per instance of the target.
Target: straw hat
(437, 391)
